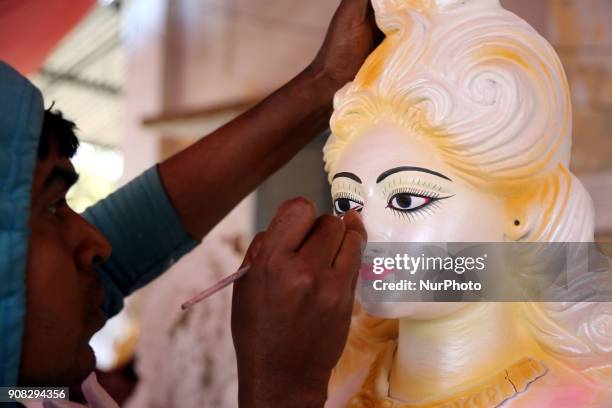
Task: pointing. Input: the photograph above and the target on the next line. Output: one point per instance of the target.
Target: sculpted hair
(492, 95)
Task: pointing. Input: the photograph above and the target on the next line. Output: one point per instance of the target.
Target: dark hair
(59, 129)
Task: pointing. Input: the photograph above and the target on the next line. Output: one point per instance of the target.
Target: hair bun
(386, 7)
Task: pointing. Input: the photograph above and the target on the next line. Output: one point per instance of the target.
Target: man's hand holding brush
(291, 311)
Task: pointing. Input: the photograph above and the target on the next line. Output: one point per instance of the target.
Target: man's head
(64, 295)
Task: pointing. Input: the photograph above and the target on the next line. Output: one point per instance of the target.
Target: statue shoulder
(562, 387)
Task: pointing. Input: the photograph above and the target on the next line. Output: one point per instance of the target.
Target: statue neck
(446, 356)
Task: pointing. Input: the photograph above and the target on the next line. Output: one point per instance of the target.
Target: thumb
(61, 404)
(96, 396)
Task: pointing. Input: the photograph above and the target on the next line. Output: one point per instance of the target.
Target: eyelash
(427, 188)
(347, 195)
(412, 214)
(428, 208)
(434, 195)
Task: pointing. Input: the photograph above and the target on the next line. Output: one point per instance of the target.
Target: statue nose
(375, 223)
(374, 228)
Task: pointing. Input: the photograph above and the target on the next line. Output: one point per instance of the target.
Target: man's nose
(94, 249)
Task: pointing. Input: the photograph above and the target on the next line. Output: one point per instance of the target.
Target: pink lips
(366, 272)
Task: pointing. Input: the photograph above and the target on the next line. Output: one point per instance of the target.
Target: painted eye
(343, 205)
(408, 202)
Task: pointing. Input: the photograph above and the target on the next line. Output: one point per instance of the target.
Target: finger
(253, 249)
(358, 8)
(249, 260)
(379, 35)
(95, 395)
(353, 221)
(347, 263)
(324, 241)
(290, 226)
(350, 253)
(60, 404)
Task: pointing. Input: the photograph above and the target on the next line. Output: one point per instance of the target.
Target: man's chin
(85, 365)
(68, 375)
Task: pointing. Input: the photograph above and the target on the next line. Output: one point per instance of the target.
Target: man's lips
(99, 298)
(97, 315)
(99, 318)
(95, 320)
(366, 272)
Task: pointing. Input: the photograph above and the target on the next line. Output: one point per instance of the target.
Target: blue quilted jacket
(139, 221)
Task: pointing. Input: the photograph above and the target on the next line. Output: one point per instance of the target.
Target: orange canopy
(30, 29)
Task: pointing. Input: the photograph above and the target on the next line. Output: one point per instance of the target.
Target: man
(60, 279)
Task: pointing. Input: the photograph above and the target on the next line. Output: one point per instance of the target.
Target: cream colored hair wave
(492, 95)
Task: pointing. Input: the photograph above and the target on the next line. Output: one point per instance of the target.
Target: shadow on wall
(301, 177)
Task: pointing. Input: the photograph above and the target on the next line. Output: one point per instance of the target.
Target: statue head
(457, 128)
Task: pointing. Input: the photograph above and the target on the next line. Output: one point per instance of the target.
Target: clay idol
(458, 128)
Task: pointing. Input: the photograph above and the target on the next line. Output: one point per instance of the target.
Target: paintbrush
(228, 280)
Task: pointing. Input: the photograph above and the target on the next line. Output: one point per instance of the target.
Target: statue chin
(413, 310)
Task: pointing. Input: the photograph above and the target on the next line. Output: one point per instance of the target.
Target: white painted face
(406, 193)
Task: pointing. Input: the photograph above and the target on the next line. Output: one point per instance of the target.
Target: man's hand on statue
(291, 312)
(351, 37)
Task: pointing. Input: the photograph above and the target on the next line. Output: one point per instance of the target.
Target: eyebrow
(63, 175)
(348, 175)
(409, 168)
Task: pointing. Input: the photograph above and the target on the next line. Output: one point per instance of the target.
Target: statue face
(406, 193)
